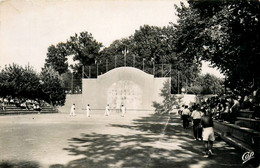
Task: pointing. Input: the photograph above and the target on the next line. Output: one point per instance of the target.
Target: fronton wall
(124, 85)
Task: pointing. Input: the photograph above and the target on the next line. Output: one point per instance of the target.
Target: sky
(29, 27)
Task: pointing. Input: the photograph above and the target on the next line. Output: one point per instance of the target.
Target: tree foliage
(169, 100)
(52, 86)
(82, 47)
(226, 33)
(154, 46)
(207, 84)
(19, 82)
(57, 57)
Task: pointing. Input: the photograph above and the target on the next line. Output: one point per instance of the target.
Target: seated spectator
(12, 101)
(234, 110)
(225, 114)
(6, 101)
(36, 107)
(3, 107)
(23, 105)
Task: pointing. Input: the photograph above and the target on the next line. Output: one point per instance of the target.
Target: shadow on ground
(148, 147)
(18, 164)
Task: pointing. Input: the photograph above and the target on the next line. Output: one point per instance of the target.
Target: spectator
(3, 107)
(234, 110)
(196, 116)
(185, 117)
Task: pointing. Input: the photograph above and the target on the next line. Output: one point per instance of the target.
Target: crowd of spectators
(20, 103)
(227, 107)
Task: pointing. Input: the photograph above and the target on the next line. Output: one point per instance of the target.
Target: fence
(103, 66)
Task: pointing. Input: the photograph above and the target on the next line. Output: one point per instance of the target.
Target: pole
(97, 69)
(134, 61)
(125, 57)
(89, 71)
(72, 82)
(143, 64)
(153, 67)
(162, 70)
(171, 77)
(178, 82)
(225, 85)
(115, 61)
(186, 84)
(106, 65)
(82, 76)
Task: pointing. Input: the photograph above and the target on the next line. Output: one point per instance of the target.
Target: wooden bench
(245, 137)
(245, 113)
(248, 123)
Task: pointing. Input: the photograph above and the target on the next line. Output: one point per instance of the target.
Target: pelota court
(139, 139)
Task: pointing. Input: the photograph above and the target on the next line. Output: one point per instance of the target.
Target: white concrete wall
(95, 91)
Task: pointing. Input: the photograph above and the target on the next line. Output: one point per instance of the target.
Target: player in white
(122, 110)
(72, 110)
(88, 110)
(107, 110)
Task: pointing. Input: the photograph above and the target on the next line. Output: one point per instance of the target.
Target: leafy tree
(224, 33)
(17, 81)
(118, 49)
(84, 48)
(52, 86)
(20, 82)
(168, 102)
(57, 57)
(206, 84)
(235, 34)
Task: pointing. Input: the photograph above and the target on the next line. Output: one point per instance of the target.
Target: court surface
(139, 139)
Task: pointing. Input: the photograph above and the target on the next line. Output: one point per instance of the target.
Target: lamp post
(134, 61)
(115, 61)
(106, 65)
(72, 82)
(153, 60)
(143, 63)
(125, 51)
(178, 83)
(71, 85)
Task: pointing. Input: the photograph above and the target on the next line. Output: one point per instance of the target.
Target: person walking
(72, 110)
(185, 116)
(107, 110)
(207, 132)
(122, 110)
(88, 110)
(196, 116)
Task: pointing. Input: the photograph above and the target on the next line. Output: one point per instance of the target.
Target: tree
(121, 49)
(84, 48)
(57, 57)
(20, 82)
(52, 87)
(235, 34)
(224, 33)
(206, 84)
(168, 102)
